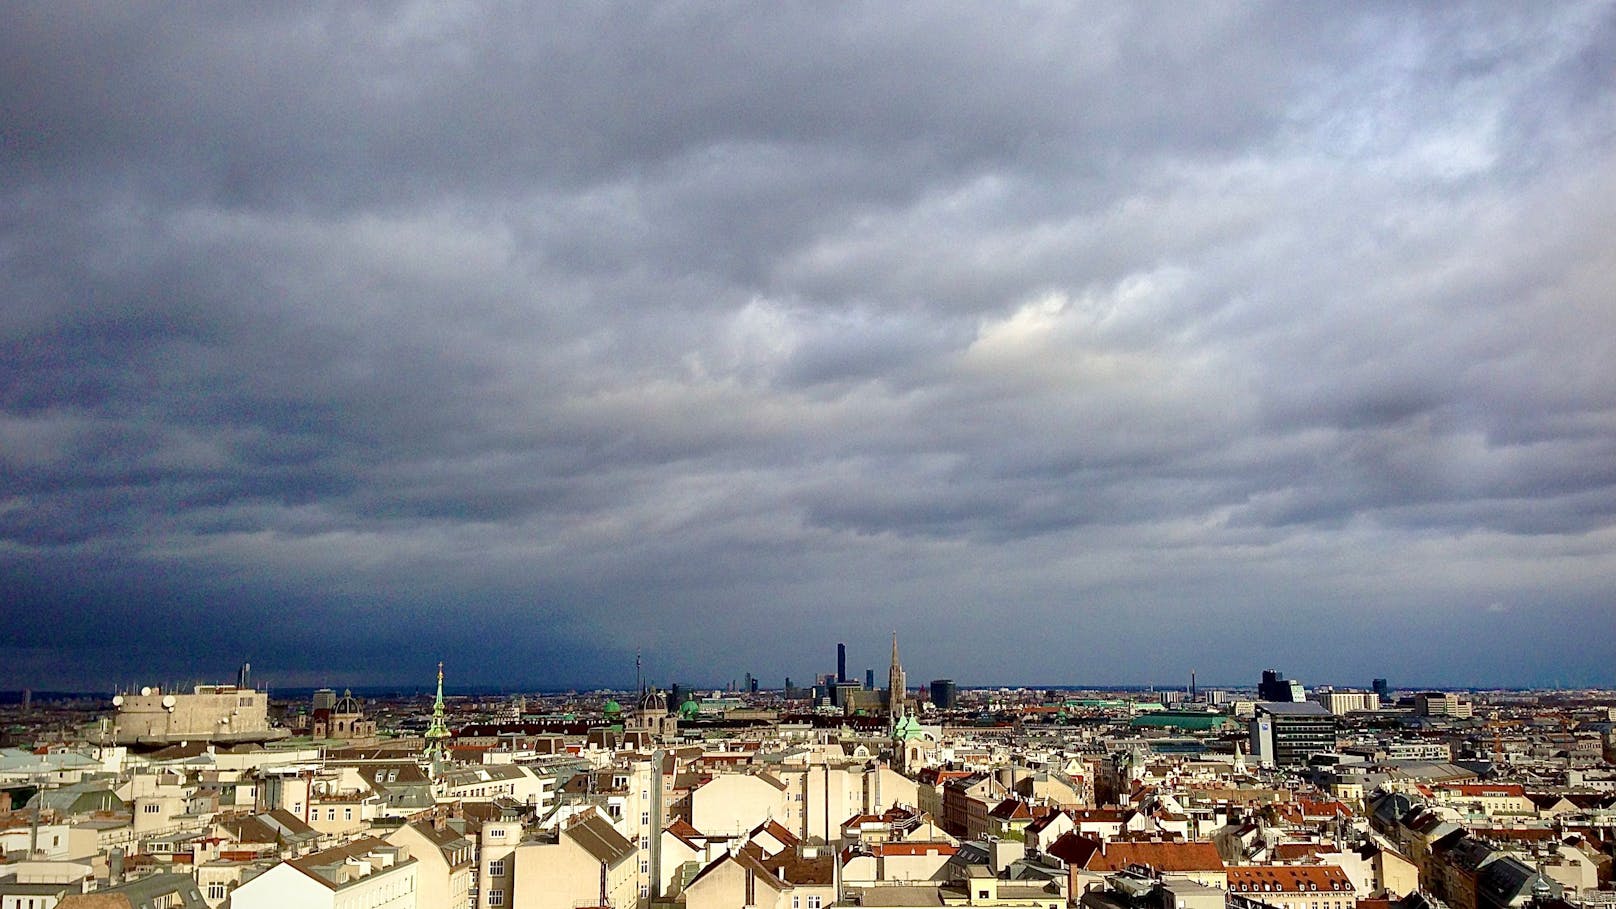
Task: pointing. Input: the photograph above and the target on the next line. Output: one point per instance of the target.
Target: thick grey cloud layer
(1079, 343)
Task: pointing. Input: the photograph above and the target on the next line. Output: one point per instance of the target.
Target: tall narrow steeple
(438, 732)
(895, 684)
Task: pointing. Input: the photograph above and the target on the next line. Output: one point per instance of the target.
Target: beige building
(730, 804)
(898, 863)
(750, 878)
(587, 863)
(1344, 702)
(209, 713)
(1441, 703)
(446, 859)
(486, 782)
(738, 879)
(1486, 799)
(818, 790)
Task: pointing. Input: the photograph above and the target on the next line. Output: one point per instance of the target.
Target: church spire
(896, 689)
(438, 731)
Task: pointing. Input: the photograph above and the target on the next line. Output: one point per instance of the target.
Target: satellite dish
(168, 702)
(117, 700)
(145, 691)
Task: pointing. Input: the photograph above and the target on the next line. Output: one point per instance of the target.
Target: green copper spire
(439, 730)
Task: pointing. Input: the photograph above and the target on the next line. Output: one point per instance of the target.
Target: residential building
(152, 891)
(1090, 860)
(586, 863)
(445, 860)
(368, 872)
(1294, 886)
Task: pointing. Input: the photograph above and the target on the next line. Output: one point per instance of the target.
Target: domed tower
(654, 703)
(347, 719)
(652, 722)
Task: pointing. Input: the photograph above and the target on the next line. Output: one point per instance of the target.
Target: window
(813, 902)
(496, 897)
(645, 867)
(796, 902)
(347, 814)
(216, 890)
(151, 809)
(496, 867)
(645, 818)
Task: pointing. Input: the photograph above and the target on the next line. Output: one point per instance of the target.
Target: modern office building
(1285, 734)
(1441, 703)
(1274, 687)
(1344, 702)
(944, 695)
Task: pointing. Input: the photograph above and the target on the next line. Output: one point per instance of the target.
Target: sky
(1077, 343)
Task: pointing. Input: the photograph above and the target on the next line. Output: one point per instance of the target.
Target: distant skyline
(280, 692)
(1080, 341)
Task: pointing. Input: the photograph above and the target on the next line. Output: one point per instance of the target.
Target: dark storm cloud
(528, 337)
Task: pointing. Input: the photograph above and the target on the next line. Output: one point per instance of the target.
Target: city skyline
(1079, 342)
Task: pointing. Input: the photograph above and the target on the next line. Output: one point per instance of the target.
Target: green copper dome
(613, 708)
(907, 728)
(689, 709)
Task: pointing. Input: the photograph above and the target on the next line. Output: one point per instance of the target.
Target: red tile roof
(1287, 879)
(1092, 855)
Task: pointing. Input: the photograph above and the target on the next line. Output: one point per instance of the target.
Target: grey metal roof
(1293, 708)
